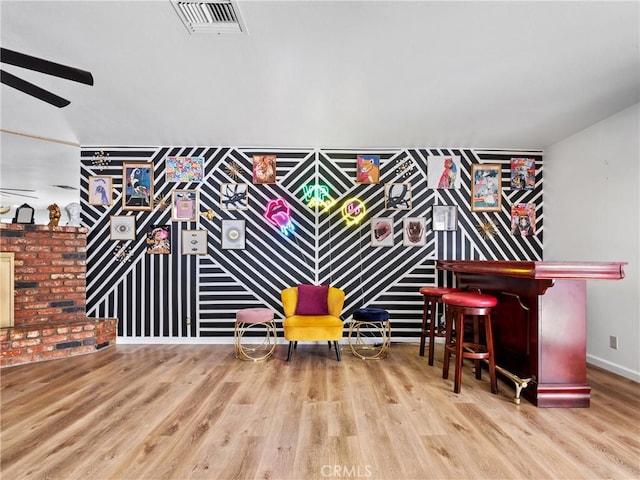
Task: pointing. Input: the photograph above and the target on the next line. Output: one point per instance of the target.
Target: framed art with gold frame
(100, 190)
(184, 205)
(486, 187)
(137, 186)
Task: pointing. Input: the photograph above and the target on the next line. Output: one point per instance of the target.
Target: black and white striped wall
(153, 295)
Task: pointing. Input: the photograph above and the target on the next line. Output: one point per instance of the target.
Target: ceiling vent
(219, 17)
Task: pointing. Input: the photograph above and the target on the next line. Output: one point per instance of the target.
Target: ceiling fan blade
(45, 66)
(3, 193)
(33, 90)
(17, 189)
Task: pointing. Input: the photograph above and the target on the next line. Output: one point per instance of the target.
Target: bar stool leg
(459, 320)
(476, 340)
(433, 313)
(447, 343)
(492, 359)
(425, 316)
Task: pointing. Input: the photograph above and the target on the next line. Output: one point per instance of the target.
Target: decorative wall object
(184, 205)
(523, 219)
(194, 242)
(382, 232)
(523, 173)
(414, 232)
(397, 196)
(444, 217)
(487, 229)
(137, 186)
(278, 213)
(353, 211)
(368, 169)
(326, 248)
(234, 196)
(233, 234)
(122, 227)
(159, 239)
(100, 190)
(264, 169)
(442, 171)
(486, 188)
(185, 169)
(233, 170)
(100, 160)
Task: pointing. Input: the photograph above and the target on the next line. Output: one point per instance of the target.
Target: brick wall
(50, 296)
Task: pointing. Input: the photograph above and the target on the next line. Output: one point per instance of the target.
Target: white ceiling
(313, 74)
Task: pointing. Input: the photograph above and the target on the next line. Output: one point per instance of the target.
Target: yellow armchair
(312, 328)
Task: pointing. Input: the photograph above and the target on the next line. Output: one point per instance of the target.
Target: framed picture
(523, 219)
(233, 234)
(442, 172)
(397, 196)
(184, 205)
(413, 232)
(122, 227)
(264, 169)
(444, 217)
(486, 187)
(159, 239)
(194, 242)
(523, 173)
(382, 232)
(234, 196)
(137, 186)
(184, 169)
(368, 169)
(100, 190)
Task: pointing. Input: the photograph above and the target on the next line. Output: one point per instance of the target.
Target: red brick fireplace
(50, 291)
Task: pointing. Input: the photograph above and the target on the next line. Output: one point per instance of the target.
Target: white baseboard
(614, 368)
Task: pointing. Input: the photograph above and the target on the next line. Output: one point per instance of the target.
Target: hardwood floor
(178, 411)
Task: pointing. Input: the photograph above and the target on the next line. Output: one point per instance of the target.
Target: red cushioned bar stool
(430, 327)
(460, 307)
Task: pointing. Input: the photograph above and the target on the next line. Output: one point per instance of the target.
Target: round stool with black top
(372, 330)
(459, 308)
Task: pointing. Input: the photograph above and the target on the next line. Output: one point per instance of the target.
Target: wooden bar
(540, 321)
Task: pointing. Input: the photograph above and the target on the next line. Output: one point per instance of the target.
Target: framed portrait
(523, 219)
(234, 196)
(486, 187)
(194, 242)
(368, 169)
(184, 205)
(413, 232)
(184, 169)
(397, 196)
(382, 232)
(100, 190)
(443, 172)
(137, 186)
(523, 173)
(444, 217)
(159, 239)
(264, 169)
(233, 234)
(122, 227)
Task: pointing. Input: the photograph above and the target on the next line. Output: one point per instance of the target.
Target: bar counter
(539, 324)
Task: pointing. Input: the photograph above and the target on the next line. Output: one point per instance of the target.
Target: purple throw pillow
(312, 300)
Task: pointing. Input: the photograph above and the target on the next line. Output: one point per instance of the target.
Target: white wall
(592, 212)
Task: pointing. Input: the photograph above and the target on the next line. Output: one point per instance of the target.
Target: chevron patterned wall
(152, 295)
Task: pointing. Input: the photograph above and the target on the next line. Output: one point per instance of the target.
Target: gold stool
(370, 325)
(255, 318)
